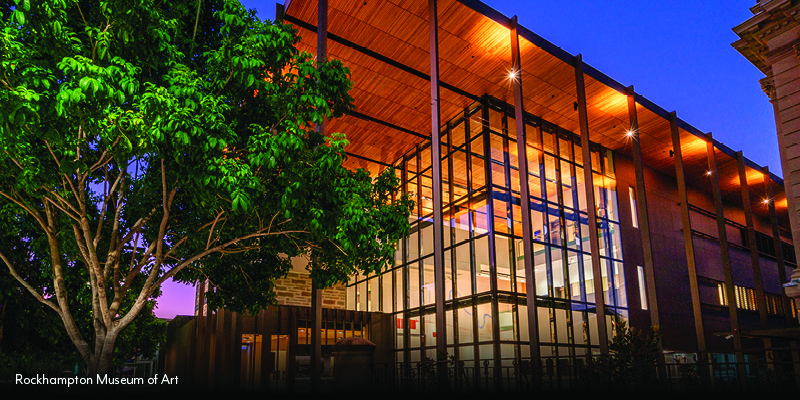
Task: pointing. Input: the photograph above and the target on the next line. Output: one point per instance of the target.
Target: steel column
(487, 158)
(436, 162)
(687, 233)
(316, 292)
(525, 198)
(751, 242)
(641, 209)
(725, 254)
(591, 205)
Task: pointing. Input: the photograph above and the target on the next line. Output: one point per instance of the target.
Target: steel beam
(642, 211)
(591, 205)
(713, 174)
(436, 162)
(751, 243)
(687, 233)
(525, 198)
(316, 292)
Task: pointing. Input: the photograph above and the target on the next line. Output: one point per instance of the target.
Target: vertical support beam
(316, 292)
(316, 340)
(726, 257)
(404, 288)
(641, 209)
(687, 233)
(525, 198)
(436, 162)
(594, 243)
(751, 242)
(487, 158)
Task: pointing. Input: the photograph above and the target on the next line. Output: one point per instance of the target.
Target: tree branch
(33, 213)
(27, 285)
(213, 225)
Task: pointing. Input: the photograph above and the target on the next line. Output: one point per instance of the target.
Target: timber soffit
(567, 58)
(554, 51)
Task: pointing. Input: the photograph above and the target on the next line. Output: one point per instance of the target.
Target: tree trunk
(102, 362)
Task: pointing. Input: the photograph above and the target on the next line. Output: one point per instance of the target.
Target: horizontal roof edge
(488, 12)
(655, 108)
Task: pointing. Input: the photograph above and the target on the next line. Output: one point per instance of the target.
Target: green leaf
(18, 17)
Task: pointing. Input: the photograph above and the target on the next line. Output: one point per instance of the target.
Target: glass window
(642, 287)
(428, 285)
(413, 285)
(399, 292)
(503, 254)
(430, 330)
(634, 210)
(415, 331)
(485, 320)
(482, 262)
(463, 270)
(465, 320)
(508, 321)
(373, 290)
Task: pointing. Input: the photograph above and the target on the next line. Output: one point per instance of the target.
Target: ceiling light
(513, 74)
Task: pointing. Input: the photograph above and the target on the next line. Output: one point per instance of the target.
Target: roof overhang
(386, 46)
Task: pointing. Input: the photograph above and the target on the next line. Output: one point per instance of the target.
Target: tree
(148, 140)
(33, 340)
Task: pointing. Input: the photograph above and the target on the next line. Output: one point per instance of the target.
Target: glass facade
(485, 282)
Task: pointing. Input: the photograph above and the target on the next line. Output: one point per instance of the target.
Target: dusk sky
(677, 54)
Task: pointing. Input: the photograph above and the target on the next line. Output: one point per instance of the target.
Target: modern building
(771, 41)
(553, 202)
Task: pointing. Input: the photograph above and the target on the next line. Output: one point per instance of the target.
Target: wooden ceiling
(475, 59)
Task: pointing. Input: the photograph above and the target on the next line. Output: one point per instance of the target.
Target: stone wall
(770, 40)
(295, 290)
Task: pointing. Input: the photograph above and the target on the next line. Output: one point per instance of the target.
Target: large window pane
(482, 269)
(503, 253)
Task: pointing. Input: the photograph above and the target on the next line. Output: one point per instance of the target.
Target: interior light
(629, 133)
(766, 201)
(708, 173)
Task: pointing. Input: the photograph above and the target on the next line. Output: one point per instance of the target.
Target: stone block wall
(295, 290)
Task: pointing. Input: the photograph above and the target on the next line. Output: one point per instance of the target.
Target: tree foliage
(145, 140)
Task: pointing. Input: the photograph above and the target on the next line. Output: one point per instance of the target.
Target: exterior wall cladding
(669, 256)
